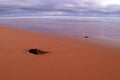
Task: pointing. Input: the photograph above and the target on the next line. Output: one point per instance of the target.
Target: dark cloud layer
(57, 7)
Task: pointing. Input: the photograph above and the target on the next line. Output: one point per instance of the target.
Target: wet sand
(70, 59)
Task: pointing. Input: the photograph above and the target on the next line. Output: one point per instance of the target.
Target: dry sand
(69, 60)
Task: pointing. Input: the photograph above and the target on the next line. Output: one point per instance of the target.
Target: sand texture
(68, 60)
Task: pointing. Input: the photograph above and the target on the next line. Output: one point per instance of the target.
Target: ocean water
(101, 28)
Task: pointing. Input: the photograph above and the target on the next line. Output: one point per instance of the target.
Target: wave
(77, 18)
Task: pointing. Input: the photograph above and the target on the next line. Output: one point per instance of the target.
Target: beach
(69, 59)
(104, 30)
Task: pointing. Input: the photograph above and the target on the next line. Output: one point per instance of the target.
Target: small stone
(86, 36)
(37, 51)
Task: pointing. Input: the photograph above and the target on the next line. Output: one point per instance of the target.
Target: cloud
(57, 7)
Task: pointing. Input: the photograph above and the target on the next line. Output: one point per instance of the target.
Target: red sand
(69, 60)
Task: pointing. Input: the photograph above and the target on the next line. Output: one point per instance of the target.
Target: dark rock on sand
(37, 51)
(86, 36)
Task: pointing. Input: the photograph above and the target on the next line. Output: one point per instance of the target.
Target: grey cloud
(45, 7)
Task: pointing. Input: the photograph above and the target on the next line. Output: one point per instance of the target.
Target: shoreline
(94, 30)
(99, 41)
(69, 59)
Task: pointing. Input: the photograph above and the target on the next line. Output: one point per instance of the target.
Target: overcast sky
(60, 7)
